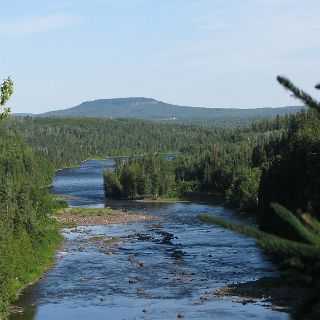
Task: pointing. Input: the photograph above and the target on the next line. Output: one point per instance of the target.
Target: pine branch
(299, 94)
(311, 222)
(287, 216)
(251, 232)
(280, 245)
(268, 242)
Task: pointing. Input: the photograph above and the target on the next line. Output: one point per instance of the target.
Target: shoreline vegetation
(195, 197)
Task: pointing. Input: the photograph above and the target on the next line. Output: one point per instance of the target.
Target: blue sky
(213, 53)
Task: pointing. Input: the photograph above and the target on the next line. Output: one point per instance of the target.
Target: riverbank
(74, 216)
(274, 291)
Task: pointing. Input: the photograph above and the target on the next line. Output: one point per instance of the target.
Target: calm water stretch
(175, 259)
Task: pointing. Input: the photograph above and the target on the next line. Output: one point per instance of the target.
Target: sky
(208, 53)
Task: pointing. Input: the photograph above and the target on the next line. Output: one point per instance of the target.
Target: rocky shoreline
(92, 220)
(274, 292)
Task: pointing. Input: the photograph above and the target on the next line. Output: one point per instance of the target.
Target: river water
(155, 269)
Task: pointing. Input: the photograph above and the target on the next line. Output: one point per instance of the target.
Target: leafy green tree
(6, 90)
(243, 192)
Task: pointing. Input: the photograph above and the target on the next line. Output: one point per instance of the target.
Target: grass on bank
(195, 196)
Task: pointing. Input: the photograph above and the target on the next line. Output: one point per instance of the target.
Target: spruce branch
(305, 233)
(275, 244)
(299, 94)
(251, 232)
(267, 241)
(311, 222)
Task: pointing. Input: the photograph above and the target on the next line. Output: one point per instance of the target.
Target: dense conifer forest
(28, 238)
(147, 176)
(67, 141)
(247, 169)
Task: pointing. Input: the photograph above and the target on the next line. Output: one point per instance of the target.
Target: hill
(147, 108)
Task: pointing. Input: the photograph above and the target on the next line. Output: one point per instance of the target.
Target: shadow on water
(148, 270)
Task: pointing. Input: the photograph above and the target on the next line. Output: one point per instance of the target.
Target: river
(174, 260)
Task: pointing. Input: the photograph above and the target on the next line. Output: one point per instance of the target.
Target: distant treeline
(68, 141)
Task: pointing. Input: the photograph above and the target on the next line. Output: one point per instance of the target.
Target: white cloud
(33, 25)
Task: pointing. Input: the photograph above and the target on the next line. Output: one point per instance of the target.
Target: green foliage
(305, 233)
(185, 187)
(299, 94)
(306, 250)
(6, 90)
(291, 173)
(112, 184)
(68, 141)
(149, 176)
(243, 191)
(27, 238)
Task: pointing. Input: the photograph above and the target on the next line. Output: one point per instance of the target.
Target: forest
(28, 238)
(247, 169)
(68, 141)
(140, 177)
